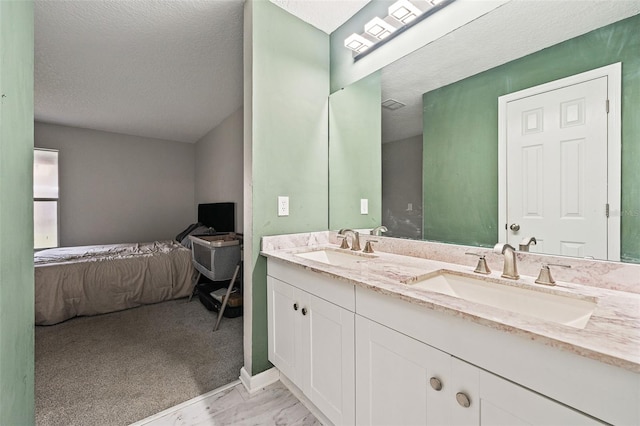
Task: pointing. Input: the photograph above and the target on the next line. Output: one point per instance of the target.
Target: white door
(328, 340)
(556, 151)
(393, 373)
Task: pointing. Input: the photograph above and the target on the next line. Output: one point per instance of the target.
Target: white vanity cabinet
(365, 357)
(311, 335)
(400, 380)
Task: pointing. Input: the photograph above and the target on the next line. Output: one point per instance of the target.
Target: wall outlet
(410, 207)
(364, 206)
(283, 205)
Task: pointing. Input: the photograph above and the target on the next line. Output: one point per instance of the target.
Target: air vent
(392, 104)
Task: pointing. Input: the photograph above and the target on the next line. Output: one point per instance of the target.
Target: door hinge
(607, 106)
(606, 209)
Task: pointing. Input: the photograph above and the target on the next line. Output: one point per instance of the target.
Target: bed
(90, 280)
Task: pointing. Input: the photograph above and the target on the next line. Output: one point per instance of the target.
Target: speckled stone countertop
(612, 334)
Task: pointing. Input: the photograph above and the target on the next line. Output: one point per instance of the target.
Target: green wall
(355, 154)
(16, 213)
(289, 148)
(461, 134)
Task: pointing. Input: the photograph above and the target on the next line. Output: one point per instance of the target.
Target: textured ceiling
(163, 69)
(513, 30)
(157, 68)
(326, 15)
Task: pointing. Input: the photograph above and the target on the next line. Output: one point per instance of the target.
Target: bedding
(90, 280)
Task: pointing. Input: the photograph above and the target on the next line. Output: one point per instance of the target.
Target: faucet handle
(482, 267)
(368, 248)
(344, 244)
(544, 277)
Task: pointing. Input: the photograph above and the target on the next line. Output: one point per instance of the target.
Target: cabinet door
(281, 325)
(506, 403)
(393, 375)
(328, 339)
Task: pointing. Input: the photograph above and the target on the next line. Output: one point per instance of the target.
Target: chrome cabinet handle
(436, 384)
(463, 399)
(295, 306)
(514, 227)
(304, 311)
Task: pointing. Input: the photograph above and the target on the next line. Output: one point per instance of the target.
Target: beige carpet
(117, 368)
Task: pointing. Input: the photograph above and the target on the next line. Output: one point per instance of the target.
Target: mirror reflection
(444, 175)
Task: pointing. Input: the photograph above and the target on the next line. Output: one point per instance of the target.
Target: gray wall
(401, 185)
(117, 188)
(219, 165)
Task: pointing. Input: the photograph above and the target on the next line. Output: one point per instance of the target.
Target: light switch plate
(283, 205)
(364, 206)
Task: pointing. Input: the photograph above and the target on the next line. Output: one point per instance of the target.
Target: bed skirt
(92, 280)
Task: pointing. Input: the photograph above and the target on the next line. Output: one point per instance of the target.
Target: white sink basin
(561, 309)
(335, 257)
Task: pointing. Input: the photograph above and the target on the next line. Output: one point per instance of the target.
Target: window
(45, 198)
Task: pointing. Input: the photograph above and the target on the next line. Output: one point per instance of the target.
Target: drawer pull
(436, 384)
(463, 399)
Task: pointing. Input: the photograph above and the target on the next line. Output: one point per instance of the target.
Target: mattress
(90, 280)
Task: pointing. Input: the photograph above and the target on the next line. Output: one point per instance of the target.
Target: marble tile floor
(233, 405)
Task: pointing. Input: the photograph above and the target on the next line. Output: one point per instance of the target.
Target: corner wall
(16, 214)
(218, 168)
(286, 134)
(117, 188)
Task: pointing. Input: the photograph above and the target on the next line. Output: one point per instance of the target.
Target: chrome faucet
(378, 230)
(510, 268)
(355, 244)
(526, 242)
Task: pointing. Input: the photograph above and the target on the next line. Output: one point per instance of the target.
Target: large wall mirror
(441, 164)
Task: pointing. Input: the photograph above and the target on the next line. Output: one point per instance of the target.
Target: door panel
(557, 169)
(330, 378)
(392, 378)
(281, 326)
(507, 404)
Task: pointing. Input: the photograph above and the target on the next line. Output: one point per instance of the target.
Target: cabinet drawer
(335, 291)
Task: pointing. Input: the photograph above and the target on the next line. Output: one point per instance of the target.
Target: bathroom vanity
(368, 343)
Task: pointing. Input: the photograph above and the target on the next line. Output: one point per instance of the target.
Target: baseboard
(254, 383)
(297, 392)
(184, 404)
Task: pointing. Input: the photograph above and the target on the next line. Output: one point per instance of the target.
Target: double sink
(545, 304)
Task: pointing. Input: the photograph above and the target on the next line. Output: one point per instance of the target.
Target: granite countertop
(612, 335)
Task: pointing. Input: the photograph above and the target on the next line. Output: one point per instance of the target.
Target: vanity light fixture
(404, 11)
(379, 28)
(402, 15)
(357, 43)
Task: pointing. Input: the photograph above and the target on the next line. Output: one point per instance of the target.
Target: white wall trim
(259, 381)
(613, 73)
(247, 185)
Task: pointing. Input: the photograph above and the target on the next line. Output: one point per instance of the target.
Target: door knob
(304, 311)
(514, 227)
(295, 306)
